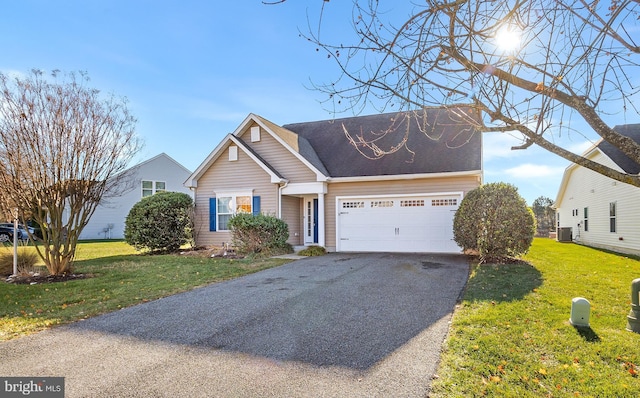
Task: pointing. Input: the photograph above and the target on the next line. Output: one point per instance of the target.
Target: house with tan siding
(595, 210)
(335, 193)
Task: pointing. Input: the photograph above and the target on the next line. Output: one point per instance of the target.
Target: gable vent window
(382, 203)
(412, 203)
(612, 217)
(444, 202)
(352, 205)
(255, 134)
(233, 153)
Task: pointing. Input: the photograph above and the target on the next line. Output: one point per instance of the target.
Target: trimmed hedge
(260, 234)
(160, 222)
(495, 221)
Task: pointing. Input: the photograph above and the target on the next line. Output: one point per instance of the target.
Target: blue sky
(193, 70)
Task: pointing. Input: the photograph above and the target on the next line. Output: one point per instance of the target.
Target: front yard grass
(511, 337)
(120, 278)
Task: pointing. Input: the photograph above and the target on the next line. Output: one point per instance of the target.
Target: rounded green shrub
(160, 222)
(495, 221)
(259, 234)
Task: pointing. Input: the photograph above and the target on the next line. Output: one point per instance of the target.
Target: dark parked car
(20, 226)
(6, 233)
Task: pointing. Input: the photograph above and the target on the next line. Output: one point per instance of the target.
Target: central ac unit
(565, 234)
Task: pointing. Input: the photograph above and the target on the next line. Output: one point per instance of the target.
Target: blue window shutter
(256, 205)
(212, 214)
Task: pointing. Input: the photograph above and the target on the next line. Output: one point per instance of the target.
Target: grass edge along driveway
(510, 336)
(120, 278)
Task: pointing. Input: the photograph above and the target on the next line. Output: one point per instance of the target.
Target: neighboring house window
(612, 217)
(224, 206)
(151, 187)
(586, 219)
(558, 219)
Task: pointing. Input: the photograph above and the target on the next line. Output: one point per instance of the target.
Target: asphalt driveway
(337, 325)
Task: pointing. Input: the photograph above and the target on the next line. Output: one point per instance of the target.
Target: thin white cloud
(530, 170)
(580, 147)
(13, 73)
(498, 145)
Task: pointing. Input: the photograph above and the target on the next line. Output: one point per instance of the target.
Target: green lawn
(511, 336)
(121, 278)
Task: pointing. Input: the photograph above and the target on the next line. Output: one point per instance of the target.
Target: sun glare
(507, 39)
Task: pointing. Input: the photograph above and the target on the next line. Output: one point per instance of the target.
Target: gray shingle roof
(450, 143)
(622, 160)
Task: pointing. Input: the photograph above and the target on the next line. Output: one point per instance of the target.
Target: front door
(310, 220)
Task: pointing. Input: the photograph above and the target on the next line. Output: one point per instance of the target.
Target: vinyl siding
(225, 176)
(115, 210)
(586, 188)
(291, 214)
(279, 157)
(399, 187)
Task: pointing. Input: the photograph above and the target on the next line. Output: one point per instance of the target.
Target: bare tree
(539, 68)
(63, 147)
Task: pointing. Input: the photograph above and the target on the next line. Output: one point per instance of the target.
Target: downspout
(280, 188)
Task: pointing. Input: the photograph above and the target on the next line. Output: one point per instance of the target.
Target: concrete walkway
(366, 325)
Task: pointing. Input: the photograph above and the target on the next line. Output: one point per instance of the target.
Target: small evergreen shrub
(313, 251)
(495, 221)
(260, 234)
(160, 222)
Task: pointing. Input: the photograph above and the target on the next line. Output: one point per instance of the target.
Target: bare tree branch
(577, 60)
(63, 148)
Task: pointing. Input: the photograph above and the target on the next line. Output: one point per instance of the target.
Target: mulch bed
(33, 279)
(211, 252)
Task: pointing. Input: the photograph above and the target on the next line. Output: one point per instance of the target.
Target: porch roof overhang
(305, 188)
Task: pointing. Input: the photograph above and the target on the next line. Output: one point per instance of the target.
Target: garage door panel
(403, 224)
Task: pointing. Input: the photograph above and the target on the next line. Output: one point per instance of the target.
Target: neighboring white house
(596, 210)
(160, 173)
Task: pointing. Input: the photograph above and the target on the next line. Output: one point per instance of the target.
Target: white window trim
(153, 188)
(613, 217)
(255, 133)
(233, 153)
(233, 195)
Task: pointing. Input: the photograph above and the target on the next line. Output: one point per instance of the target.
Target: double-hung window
(586, 219)
(612, 217)
(151, 187)
(226, 205)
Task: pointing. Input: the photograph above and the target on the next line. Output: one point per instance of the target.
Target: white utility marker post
(633, 319)
(15, 242)
(580, 310)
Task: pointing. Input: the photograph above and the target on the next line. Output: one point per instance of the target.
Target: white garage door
(397, 224)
